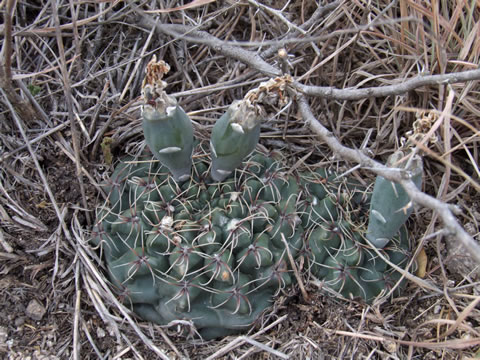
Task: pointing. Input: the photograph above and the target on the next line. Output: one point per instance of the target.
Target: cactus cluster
(210, 240)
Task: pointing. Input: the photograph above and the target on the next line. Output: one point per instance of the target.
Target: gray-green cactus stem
(167, 128)
(391, 206)
(234, 136)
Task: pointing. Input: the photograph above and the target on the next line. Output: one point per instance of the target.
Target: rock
(100, 333)
(460, 262)
(3, 335)
(35, 310)
(19, 321)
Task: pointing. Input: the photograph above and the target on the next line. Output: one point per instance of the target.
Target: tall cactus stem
(234, 136)
(167, 128)
(390, 206)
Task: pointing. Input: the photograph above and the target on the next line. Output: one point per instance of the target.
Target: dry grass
(73, 79)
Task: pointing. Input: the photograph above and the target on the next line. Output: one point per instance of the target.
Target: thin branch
(278, 14)
(313, 20)
(19, 124)
(238, 341)
(68, 98)
(256, 62)
(24, 109)
(180, 31)
(306, 298)
(7, 44)
(444, 210)
(330, 92)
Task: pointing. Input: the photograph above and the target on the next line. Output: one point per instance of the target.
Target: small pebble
(19, 321)
(3, 335)
(100, 333)
(35, 310)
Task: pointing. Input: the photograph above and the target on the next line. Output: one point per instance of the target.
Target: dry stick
(451, 344)
(295, 270)
(238, 341)
(76, 319)
(103, 129)
(7, 49)
(330, 92)
(121, 307)
(36, 106)
(97, 109)
(278, 14)
(19, 124)
(23, 107)
(168, 341)
(247, 57)
(184, 32)
(68, 95)
(6, 246)
(255, 61)
(91, 341)
(464, 314)
(50, 31)
(450, 222)
(87, 174)
(33, 141)
(313, 20)
(137, 65)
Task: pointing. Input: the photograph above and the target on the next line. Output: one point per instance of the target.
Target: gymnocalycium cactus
(213, 246)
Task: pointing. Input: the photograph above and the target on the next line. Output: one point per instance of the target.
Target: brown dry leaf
(422, 263)
(190, 5)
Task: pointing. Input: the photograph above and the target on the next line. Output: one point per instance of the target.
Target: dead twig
(452, 344)
(68, 98)
(242, 339)
(23, 107)
(402, 87)
(255, 61)
(306, 298)
(19, 124)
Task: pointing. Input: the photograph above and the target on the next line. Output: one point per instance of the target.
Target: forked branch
(452, 226)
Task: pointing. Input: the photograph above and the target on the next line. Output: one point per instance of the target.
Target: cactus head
(237, 132)
(167, 129)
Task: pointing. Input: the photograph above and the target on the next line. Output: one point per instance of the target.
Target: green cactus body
(215, 253)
